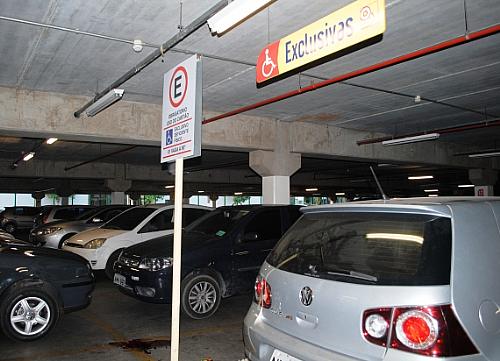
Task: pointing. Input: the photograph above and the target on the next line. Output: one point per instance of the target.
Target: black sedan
(37, 285)
(221, 254)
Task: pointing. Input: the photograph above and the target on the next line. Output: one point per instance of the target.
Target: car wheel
(200, 296)
(111, 262)
(10, 228)
(28, 313)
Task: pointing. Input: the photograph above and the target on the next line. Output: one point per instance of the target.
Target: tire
(10, 228)
(110, 263)
(28, 313)
(67, 236)
(200, 296)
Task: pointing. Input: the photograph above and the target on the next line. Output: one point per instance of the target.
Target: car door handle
(242, 253)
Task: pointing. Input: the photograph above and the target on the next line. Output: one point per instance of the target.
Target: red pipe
(462, 128)
(382, 65)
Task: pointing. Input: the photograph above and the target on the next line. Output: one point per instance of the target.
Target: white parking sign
(182, 107)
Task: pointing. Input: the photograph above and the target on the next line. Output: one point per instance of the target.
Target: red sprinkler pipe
(462, 128)
(372, 68)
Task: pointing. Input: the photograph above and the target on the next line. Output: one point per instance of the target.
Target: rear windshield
(130, 219)
(368, 248)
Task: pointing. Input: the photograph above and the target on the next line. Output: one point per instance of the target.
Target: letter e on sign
(178, 86)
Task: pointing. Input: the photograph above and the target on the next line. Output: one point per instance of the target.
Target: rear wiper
(354, 274)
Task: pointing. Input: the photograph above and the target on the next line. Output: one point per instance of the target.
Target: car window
(89, 213)
(379, 248)
(66, 213)
(30, 211)
(189, 215)
(218, 222)
(266, 224)
(129, 219)
(110, 213)
(161, 222)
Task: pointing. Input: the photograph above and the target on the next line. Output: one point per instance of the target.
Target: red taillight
(431, 331)
(262, 292)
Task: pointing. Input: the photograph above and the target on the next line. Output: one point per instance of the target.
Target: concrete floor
(113, 321)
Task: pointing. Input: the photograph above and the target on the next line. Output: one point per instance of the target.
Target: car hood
(88, 235)
(163, 246)
(39, 252)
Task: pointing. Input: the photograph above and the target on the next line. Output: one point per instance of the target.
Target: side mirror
(97, 220)
(250, 237)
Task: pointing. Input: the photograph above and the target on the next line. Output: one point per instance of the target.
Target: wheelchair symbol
(170, 136)
(268, 66)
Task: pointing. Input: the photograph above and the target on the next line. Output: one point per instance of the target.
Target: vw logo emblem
(306, 296)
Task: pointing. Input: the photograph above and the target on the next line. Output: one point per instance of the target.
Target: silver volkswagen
(409, 279)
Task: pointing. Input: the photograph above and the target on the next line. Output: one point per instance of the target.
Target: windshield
(88, 214)
(130, 219)
(369, 248)
(218, 222)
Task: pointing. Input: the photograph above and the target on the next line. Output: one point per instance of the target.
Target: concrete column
(275, 168)
(135, 197)
(118, 198)
(38, 196)
(118, 188)
(213, 198)
(64, 201)
(484, 180)
(64, 192)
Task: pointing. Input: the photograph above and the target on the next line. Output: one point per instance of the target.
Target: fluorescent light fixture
(201, 191)
(51, 140)
(421, 177)
(238, 193)
(485, 155)
(415, 139)
(396, 237)
(466, 186)
(108, 99)
(311, 189)
(234, 14)
(340, 194)
(433, 195)
(431, 190)
(169, 187)
(28, 156)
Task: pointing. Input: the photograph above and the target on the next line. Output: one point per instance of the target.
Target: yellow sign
(353, 24)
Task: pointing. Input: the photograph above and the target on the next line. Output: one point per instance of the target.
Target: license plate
(282, 356)
(120, 280)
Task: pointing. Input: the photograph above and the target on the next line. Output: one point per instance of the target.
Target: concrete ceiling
(466, 76)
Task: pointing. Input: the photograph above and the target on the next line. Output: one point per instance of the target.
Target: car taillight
(262, 294)
(430, 331)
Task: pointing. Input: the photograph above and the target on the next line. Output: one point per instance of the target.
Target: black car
(221, 254)
(37, 285)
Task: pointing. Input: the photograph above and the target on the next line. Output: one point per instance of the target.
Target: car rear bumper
(147, 286)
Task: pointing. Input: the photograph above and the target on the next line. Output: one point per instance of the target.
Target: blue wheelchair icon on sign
(170, 136)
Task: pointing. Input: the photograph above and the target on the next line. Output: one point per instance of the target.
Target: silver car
(409, 279)
(54, 234)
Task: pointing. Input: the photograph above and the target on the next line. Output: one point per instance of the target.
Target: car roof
(168, 206)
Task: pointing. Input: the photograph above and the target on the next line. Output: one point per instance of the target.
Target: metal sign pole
(176, 276)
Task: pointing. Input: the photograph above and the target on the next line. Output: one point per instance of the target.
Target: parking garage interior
(313, 137)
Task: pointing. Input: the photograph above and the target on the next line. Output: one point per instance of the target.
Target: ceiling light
(137, 46)
(238, 193)
(235, 13)
(431, 190)
(485, 155)
(311, 189)
(415, 139)
(28, 156)
(466, 186)
(108, 99)
(51, 140)
(420, 177)
(201, 191)
(396, 237)
(433, 195)
(340, 194)
(169, 187)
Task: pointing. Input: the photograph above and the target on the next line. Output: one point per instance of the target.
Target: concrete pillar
(64, 201)
(275, 168)
(483, 180)
(213, 198)
(64, 192)
(135, 197)
(38, 196)
(118, 188)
